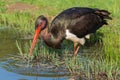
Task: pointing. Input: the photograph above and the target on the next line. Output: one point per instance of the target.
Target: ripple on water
(44, 70)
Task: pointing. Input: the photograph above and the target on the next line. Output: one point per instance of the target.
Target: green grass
(91, 67)
(105, 60)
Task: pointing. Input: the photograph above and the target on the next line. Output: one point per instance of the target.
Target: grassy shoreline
(22, 23)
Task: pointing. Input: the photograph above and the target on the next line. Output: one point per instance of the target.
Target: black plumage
(79, 20)
(76, 22)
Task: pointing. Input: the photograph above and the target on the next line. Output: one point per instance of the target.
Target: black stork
(75, 24)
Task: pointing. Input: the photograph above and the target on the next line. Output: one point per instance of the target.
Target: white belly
(74, 38)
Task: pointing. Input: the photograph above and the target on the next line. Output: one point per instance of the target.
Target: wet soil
(21, 7)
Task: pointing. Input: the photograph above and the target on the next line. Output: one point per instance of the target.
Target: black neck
(50, 40)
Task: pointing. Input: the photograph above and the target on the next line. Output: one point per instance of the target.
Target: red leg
(76, 48)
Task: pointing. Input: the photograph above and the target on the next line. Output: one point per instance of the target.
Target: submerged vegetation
(99, 59)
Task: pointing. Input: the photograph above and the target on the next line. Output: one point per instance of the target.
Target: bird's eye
(42, 23)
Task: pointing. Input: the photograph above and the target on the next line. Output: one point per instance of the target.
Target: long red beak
(36, 35)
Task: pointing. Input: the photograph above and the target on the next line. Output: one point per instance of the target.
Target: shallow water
(11, 69)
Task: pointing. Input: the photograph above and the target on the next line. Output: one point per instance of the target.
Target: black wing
(80, 21)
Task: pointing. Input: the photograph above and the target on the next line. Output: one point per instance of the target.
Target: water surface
(11, 69)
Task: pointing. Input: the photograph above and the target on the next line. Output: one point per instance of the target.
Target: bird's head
(40, 24)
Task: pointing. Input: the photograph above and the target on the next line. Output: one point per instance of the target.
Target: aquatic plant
(103, 62)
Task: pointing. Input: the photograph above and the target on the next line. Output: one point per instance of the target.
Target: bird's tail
(103, 13)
